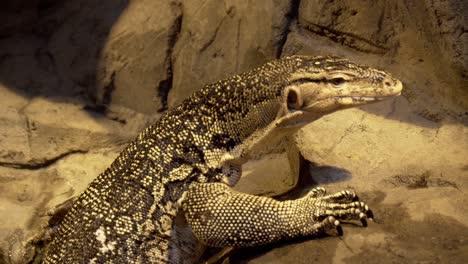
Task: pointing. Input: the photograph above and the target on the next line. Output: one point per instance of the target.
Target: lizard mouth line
(366, 98)
(363, 98)
(357, 98)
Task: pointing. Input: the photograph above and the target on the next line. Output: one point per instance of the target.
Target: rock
(13, 129)
(365, 26)
(450, 22)
(28, 193)
(219, 39)
(407, 34)
(17, 15)
(269, 176)
(135, 67)
(14, 141)
(26, 67)
(43, 131)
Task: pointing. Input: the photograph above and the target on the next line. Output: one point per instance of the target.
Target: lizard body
(180, 169)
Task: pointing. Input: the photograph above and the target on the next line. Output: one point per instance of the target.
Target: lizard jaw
(329, 100)
(335, 102)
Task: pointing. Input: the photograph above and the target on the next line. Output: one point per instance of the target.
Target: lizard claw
(338, 227)
(362, 218)
(370, 215)
(317, 192)
(328, 223)
(356, 198)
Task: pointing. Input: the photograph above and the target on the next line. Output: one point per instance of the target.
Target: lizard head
(321, 85)
(255, 110)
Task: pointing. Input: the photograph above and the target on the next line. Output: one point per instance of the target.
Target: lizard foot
(328, 210)
(54, 216)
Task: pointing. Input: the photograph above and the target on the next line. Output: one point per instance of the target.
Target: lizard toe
(343, 196)
(317, 192)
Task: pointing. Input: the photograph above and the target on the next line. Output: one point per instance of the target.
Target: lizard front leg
(221, 217)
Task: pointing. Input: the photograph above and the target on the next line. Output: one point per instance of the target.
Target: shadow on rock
(52, 48)
(312, 175)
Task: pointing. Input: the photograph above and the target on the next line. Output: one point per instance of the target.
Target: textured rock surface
(135, 70)
(221, 38)
(78, 79)
(411, 36)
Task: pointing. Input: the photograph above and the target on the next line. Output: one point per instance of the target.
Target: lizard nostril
(387, 83)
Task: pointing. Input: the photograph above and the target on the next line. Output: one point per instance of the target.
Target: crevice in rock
(291, 16)
(347, 131)
(424, 180)
(39, 164)
(30, 128)
(239, 22)
(108, 90)
(347, 39)
(213, 37)
(102, 102)
(165, 85)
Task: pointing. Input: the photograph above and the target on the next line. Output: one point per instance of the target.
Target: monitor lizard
(168, 193)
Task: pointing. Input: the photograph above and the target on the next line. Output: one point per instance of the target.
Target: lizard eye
(293, 100)
(337, 81)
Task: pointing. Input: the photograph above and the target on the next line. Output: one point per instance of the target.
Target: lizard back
(127, 212)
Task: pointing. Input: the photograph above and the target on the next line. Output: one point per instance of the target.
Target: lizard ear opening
(294, 99)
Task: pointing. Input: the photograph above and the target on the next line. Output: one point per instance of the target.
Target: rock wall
(150, 55)
(80, 78)
(409, 38)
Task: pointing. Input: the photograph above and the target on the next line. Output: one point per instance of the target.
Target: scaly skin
(187, 160)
